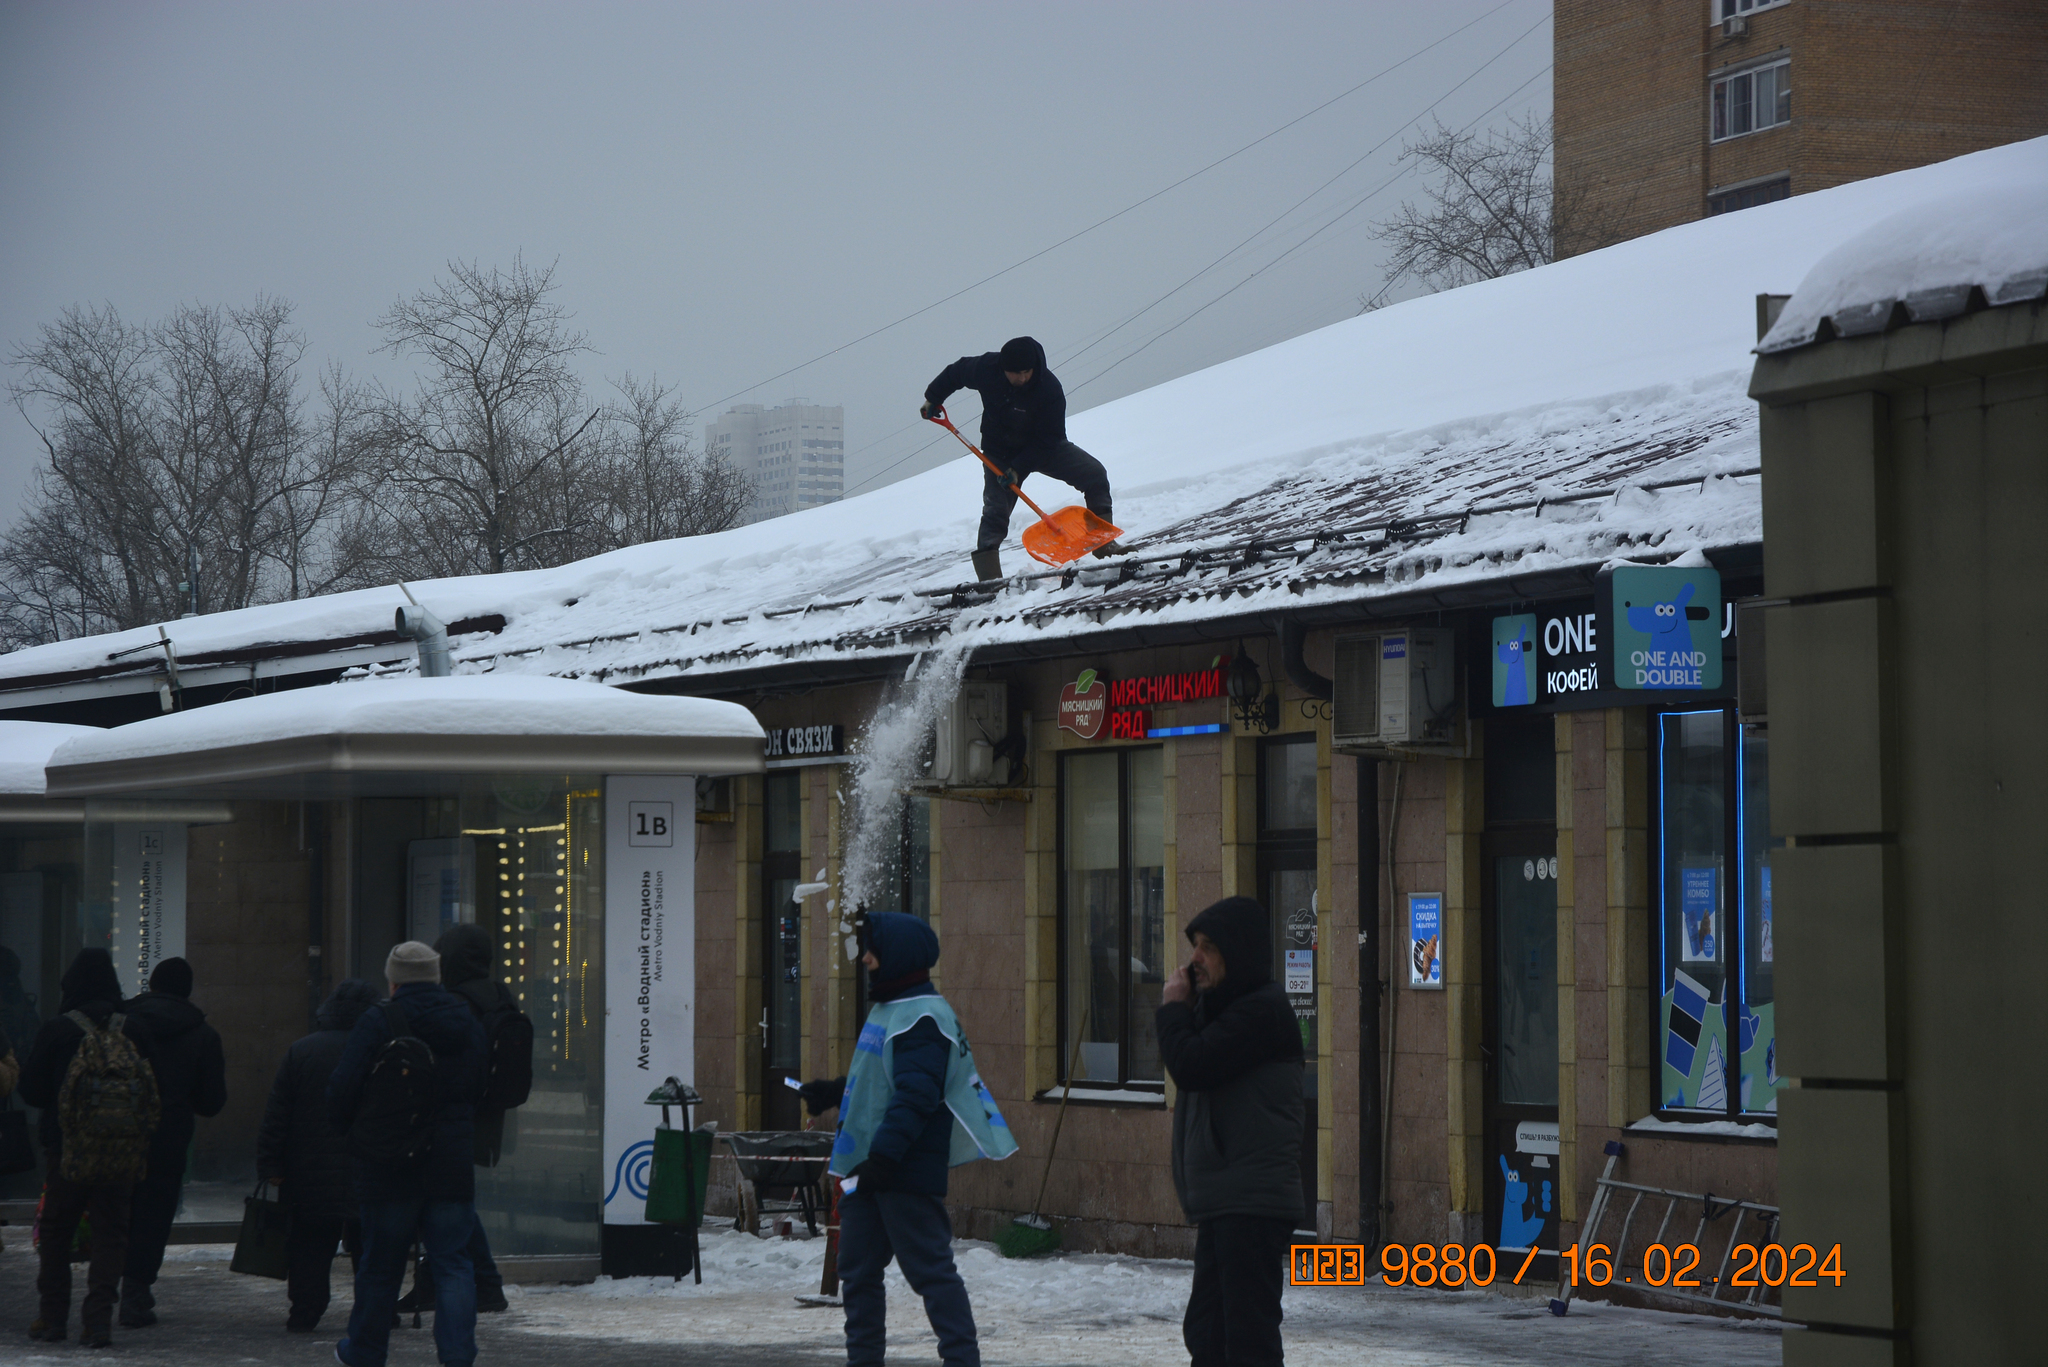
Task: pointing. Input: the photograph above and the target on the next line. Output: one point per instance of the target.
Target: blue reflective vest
(979, 1130)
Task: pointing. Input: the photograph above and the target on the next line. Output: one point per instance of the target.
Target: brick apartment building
(1673, 110)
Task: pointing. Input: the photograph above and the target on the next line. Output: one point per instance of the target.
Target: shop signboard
(1425, 939)
(1126, 704)
(148, 924)
(1662, 627)
(805, 742)
(650, 970)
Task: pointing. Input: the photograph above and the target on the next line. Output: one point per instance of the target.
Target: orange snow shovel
(1055, 538)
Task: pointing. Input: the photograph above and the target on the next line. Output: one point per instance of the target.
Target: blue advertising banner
(1697, 903)
(1425, 939)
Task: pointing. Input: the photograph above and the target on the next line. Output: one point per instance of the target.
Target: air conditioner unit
(966, 734)
(1398, 690)
(1734, 27)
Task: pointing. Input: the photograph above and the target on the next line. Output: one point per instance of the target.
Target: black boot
(490, 1298)
(988, 564)
(138, 1305)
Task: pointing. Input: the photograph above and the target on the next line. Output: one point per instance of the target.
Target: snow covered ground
(1100, 1309)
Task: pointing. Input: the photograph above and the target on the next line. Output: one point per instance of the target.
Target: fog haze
(731, 190)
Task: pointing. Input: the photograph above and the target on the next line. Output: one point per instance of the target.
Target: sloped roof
(1485, 443)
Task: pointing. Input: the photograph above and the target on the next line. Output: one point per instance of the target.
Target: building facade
(1668, 111)
(794, 453)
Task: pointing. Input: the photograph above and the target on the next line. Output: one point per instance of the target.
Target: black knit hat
(1023, 353)
(172, 976)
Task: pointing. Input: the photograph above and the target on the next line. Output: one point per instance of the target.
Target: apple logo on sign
(1083, 705)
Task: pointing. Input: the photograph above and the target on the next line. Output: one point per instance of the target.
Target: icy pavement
(1098, 1309)
(1083, 1311)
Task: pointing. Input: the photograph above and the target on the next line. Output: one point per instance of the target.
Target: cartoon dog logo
(1665, 623)
(1514, 654)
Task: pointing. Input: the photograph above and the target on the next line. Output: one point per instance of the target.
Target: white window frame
(1724, 79)
(1741, 9)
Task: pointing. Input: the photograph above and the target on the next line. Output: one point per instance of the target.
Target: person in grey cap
(431, 1197)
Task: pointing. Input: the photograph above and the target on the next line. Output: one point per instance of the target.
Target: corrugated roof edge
(1921, 306)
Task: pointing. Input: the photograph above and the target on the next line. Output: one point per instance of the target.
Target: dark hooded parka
(191, 1069)
(916, 1134)
(1235, 1055)
(296, 1144)
(90, 986)
(467, 960)
(1014, 418)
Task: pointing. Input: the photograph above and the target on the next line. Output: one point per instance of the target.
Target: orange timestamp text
(1457, 1265)
(1678, 1265)
(1400, 1265)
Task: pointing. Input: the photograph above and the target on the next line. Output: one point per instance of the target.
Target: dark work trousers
(107, 1206)
(1062, 461)
(488, 1278)
(1233, 1317)
(389, 1227)
(309, 1259)
(877, 1226)
(149, 1226)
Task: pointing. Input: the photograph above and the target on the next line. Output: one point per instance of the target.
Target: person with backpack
(191, 1082)
(405, 1094)
(467, 958)
(90, 1072)
(298, 1152)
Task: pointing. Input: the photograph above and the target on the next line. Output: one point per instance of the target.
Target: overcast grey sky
(731, 190)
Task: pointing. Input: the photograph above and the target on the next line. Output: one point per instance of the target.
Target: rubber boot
(1112, 548)
(988, 564)
(138, 1305)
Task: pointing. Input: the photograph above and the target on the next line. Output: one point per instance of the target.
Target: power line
(1355, 204)
(1015, 265)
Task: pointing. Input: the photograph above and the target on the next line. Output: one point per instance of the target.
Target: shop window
(1716, 1033)
(1753, 100)
(905, 881)
(1287, 881)
(782, 942)
(1749, 196)
(40, 870)
(1112, 914)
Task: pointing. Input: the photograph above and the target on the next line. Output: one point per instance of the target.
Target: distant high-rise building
(795, 454)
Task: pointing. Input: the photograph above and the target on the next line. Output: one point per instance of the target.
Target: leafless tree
(180, 472)
(479, 458)
(1490, 208)
(660, 486)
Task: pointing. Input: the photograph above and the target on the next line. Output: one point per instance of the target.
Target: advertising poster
(440, 886)
(1425, 939)
(148, 923)
(1766, 948)
(1697, 900)
(1301, 972)
(1663, 626)
(650, 825)
(1514, 660)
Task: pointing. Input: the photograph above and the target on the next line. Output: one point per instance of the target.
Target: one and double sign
(1648, 628)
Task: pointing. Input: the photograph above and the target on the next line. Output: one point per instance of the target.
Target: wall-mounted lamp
(1254, 708)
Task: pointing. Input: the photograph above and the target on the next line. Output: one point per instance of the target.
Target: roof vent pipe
(418, 625)
(1293, 636)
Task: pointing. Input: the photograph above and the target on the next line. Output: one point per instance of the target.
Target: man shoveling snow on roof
(1024, 431)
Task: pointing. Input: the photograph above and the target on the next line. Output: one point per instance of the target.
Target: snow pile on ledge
(1991, 235)
(25, 749)
(465, 705)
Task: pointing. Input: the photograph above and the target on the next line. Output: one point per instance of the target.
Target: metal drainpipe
(1293, 637)
(416, 624)
(1369, 856)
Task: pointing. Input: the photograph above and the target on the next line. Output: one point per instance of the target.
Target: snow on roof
(1929, 257)
(1449, 440)
(25, 748)
(466, 706)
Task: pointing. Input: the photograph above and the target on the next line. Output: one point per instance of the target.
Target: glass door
(1519, 962)
(782, 960)
(1287, 881)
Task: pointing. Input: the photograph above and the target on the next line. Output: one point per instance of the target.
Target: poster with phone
(1425, 939)
(1697, 902)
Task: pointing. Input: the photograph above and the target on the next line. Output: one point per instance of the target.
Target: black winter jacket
(191, 1071)
(1235, 1057)
(450, 1029)
(467, 959)
(42, 1072)
(1014, 418)
(296, 1144)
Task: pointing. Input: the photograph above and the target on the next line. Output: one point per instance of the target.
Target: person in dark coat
(1231, 1043)
(896, 1206)
(301, 1154)
(1024, 431)
(191, 1081)
(467, 958)
(91, 988)
(432, 1200)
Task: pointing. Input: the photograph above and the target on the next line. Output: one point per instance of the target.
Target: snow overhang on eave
(405, 736)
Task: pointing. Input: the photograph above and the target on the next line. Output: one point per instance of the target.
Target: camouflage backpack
(107, 1107)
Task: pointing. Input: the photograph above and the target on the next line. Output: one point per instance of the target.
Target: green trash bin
(681, 1170)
